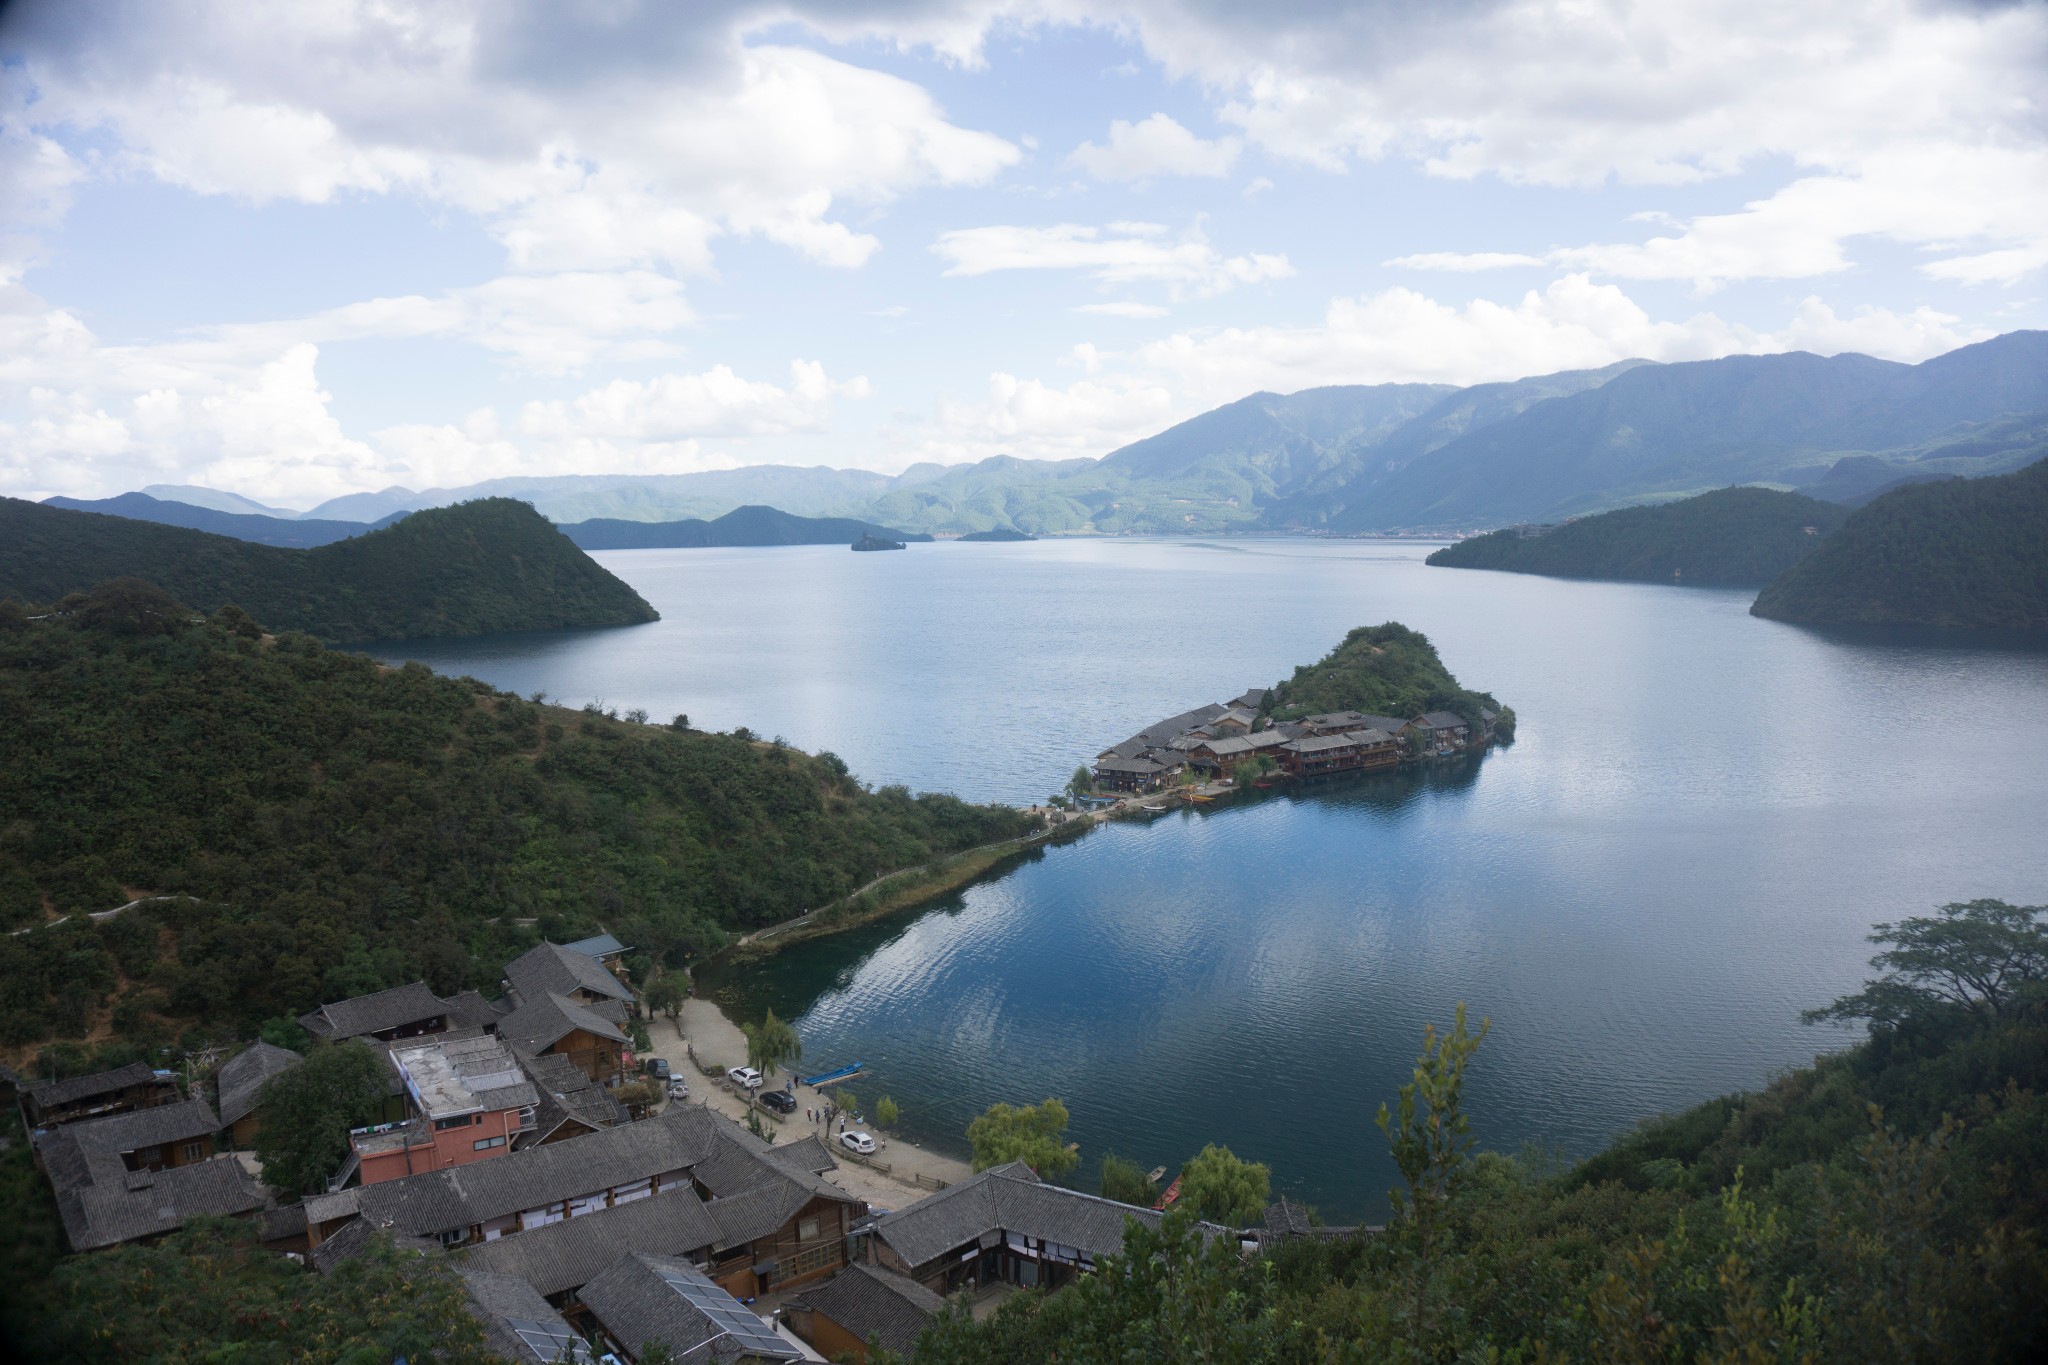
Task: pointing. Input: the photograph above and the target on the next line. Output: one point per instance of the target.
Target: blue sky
(297, 251)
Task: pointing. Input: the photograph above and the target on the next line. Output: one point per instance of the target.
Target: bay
(1701, 819)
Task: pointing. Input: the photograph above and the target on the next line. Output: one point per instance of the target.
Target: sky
(296, 251)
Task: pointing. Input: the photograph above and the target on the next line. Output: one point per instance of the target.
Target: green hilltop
(1384, 670)
(1730, 536)
(474, 568)
(1963, 553)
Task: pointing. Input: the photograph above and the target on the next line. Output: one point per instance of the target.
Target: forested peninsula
(1732, 536)
(1385, 670)
(479, 567)
(750, 525)
(1963, 554)
(322, 826)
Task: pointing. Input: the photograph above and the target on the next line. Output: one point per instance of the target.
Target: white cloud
(1158, 146)
(712, 404)
(1034, 420)
(1122, 253)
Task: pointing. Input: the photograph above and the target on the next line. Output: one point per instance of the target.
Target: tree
(1028, 1133)
(308, 1110)
(1224, 1188)
(1974, 955)
(664, 995)
(1082, 783)
(886, 1113)
(1126, 1182)
(1427, 1135)
(771, 1044)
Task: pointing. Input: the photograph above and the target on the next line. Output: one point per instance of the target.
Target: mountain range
(1388, 457)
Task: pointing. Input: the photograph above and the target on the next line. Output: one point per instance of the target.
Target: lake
(1702, 816)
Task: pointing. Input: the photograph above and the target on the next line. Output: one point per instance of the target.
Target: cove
(1701, 818)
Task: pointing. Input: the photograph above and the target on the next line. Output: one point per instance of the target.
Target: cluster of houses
(577, 1232)
(1214, 741)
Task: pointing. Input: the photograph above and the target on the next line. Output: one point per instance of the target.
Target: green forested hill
(1732, 535)
(482, 566)
(1385, 670)
(750, 525)
(346, 826)
(1967, 553)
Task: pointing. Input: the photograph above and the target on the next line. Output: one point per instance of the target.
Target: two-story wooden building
(45, 1104)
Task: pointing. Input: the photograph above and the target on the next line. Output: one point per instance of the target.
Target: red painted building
(468, 1099)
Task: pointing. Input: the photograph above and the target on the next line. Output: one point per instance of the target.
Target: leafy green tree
(1082, 783)
(1978, 956)
(1427, 1133)
(771, 1044)
(887, 1114)
(308, 1111)
(1126, 1182)
(1224, 1188)
(665, 995)
(1030, 1133)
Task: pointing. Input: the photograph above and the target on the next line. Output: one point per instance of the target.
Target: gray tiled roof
(597, 945)
(90, 1151)
(552, 967)
(351, 1240)
(760, 1210)
(395, 1008)
(546, 1018)
(145, 1204)
(1316, 744)
(562, 1256)
(1369, 738)
(243, 1076)
(636, 1303)
(1008, 1199)
(1333, 720)
(50, 1094)
(504, 1306)
(1393, 725)
(873, 1303)
(469, 1009)
(1441, 720)
(567, 1093)
(476, 1192)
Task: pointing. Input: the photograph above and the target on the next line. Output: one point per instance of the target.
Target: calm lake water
(1701, 819)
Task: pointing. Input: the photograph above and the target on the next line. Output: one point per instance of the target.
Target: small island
(1380, 699)
(998, 533)
(875, 542)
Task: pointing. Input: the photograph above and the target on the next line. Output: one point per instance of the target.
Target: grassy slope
(1730, 536)
(350, 827)
(490, 565)
(1386, 670)
(1965, 553)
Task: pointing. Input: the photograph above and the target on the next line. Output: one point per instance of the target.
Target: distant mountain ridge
(481, 567)
(753, 525)
(263, 529)
(1360, 458)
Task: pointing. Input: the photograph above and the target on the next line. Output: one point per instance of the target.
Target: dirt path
(720, 1044)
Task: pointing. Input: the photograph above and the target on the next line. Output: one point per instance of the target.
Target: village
(591, 1208)
(1212, 748)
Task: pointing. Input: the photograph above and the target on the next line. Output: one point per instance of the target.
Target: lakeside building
(1312, 755)
(468, 1098)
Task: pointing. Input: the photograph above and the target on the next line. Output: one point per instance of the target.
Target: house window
(194, 1150)
(440, 1124)
(807, 1230)
(487, 1143)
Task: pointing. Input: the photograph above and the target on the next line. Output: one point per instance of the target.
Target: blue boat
(844, 1073)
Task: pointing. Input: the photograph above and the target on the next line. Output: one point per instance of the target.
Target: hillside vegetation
(750, 525)
(1386, 670)
(343, 827)
(485, 566)
(1731, 536)
(1968, 553)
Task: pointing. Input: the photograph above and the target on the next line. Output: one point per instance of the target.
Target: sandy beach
(719, 1044)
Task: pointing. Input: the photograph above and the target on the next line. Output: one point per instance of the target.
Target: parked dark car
(781, 1101)
(657, 1067)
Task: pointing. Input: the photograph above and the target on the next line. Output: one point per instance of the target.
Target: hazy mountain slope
(486, 566)
(1343, 496)
(638, 497)
(741, 526)
(195, 495)
(1962, 553)
(1972, 450)
(1729, 536)
(1673, 428)
(1281, 439)
(263, 530)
